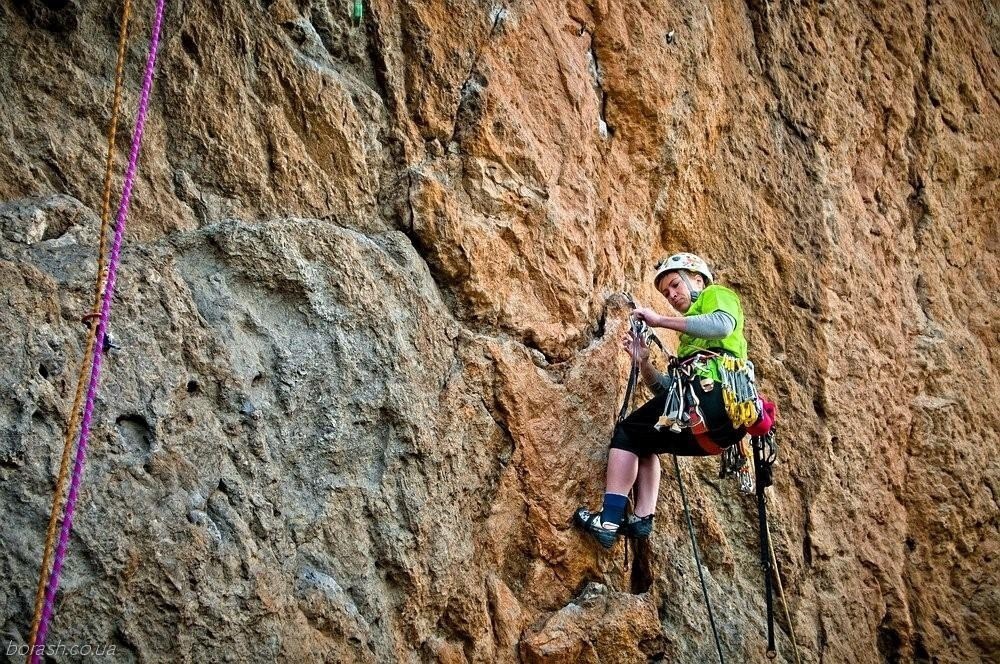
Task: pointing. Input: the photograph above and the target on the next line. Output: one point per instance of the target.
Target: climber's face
(674, 287)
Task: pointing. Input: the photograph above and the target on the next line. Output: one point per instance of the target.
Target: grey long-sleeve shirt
(716, 325)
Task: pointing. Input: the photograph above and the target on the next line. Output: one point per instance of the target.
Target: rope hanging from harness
(765, 451)
(57, 496)
(697, 558)
(102, 326)
(781, 595)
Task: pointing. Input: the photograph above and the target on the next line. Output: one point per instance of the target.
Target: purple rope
(102, 325)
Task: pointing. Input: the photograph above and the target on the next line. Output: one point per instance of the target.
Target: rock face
(368, 324)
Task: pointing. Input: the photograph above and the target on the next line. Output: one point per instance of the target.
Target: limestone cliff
(368, 323)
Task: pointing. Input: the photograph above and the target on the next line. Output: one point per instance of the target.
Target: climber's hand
(649, 316)
(635, 346)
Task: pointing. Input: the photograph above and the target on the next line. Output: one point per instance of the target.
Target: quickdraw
(735, 462)
(739, 390)
(640, 327)
(642, 331)
(682, 409)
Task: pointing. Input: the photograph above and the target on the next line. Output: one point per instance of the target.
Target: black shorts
(636, 433)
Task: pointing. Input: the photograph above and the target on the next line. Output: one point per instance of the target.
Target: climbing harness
(697, 558)
(38, 645)
(765, 451)
(682, 406)
(90, 320)
(357, 12)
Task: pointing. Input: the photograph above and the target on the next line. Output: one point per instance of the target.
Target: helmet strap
(692, 292)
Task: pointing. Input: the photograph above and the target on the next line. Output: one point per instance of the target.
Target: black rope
(694, 546)
(633, 379)
(764, 452)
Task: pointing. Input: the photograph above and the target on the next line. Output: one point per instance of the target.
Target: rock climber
(711, 325)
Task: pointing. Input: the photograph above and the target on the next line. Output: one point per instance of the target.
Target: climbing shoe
(638, 527)
(605, 532)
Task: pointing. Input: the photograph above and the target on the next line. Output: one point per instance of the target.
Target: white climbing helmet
(683, 261)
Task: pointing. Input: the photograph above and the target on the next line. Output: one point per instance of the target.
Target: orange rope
(57, 498)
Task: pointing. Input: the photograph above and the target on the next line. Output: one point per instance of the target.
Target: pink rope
(102, 326)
